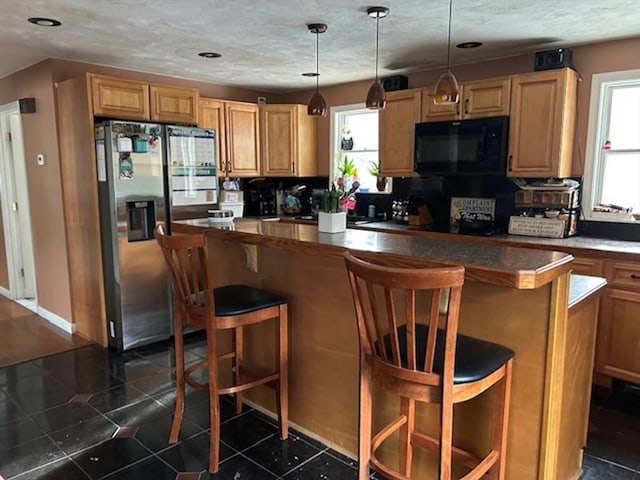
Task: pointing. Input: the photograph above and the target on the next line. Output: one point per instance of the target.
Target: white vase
(332, 222)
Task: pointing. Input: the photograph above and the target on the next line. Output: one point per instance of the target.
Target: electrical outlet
(40, 159)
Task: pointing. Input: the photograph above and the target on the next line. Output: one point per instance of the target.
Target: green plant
(374, 168)
(347, 168)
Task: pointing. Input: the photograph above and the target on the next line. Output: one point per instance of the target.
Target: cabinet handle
(228, 166)
(633, 276)
(293, 167)
(510, 161)
(466, 107)
(457, 109)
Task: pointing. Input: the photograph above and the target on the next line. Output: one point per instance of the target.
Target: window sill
(612, 217)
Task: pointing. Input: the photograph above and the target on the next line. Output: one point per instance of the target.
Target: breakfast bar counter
(513, 296)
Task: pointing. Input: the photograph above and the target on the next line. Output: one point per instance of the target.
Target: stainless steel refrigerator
(146, 173)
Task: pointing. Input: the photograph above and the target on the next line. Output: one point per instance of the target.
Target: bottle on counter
(371, 211)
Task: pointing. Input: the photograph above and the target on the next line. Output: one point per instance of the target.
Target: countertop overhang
(520, 268)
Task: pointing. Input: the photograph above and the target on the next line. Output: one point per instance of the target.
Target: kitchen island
(513, 296)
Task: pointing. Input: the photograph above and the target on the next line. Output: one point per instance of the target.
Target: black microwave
(476, 146)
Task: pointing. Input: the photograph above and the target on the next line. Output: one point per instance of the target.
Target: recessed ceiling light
(44, 22)
(209, 55)
(310, 74)
(469, 45)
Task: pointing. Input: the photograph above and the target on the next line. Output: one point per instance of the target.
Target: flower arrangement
(341, 195)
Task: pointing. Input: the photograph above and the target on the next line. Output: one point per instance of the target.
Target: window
(354, 136)
(612, 171)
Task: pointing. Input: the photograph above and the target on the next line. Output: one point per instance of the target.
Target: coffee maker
(260, 200)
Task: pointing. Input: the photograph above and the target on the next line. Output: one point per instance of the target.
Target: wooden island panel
(549, 387)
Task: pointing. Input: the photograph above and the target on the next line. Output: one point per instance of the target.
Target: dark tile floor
(96, 414)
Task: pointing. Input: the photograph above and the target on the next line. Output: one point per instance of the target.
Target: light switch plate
(40, 159)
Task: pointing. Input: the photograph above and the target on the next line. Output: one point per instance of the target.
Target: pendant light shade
(447, 91)
(317, 106)
(375, 96)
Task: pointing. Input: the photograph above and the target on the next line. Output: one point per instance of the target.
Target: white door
(15, 206)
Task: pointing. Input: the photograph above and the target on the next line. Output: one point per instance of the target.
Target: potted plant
(374, 170)
(332, 219)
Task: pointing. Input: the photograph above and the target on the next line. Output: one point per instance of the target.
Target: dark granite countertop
(520, 268)
(579, 245)
(583, 286)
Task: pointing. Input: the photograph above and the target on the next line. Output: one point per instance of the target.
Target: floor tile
(149, 468)
(281, 456)
(613, 436)
(139, 413)
(155, 384)
(64, 416)
(192, 455)
(323, 466)
(19, 371)
(92, 382)
(596, 469)
(10, 411)
(110, 456)
(28, 456)
(84, 435)
(245, 431)
(16, 433)
(63, 469)
(155, 434)
(116, 398)
(239, 467)
(36, 399)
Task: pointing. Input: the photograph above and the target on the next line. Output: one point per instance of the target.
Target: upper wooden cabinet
(131, 100)
(118, 98)
(396, 127)
(542, 124)
(288, 140)
(482, 98)
(174, 104)
(211, 115)
(236, 126)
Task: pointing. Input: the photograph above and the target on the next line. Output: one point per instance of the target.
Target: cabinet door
(542, 124)
(625, 275)
(618, 342)
(486, 98)
(437, 113)
(117, 98)
(211, 115)
(397, 130)
(278, 140)
(243, 145)
(174, 105)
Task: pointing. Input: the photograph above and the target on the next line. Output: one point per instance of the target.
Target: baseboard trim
(6, 293)
(56, 320)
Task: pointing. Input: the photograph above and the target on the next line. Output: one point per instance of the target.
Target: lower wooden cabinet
(618, 340)
(587, 266)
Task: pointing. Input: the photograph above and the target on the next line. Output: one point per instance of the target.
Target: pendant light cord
(449, 37)
(317, 60)
(377, 34)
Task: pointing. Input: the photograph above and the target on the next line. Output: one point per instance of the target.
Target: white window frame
(335, 136)
(599, 110)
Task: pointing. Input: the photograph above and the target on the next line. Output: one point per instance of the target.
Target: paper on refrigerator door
(101, 161)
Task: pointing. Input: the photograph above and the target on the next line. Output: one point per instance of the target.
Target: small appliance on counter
(550, 212)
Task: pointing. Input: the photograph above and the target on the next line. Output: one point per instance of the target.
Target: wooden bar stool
(403, 350)
(197, 303)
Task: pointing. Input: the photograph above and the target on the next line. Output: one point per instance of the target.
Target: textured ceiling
(265, 43)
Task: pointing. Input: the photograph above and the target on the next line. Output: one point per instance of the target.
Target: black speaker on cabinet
(397, 82)
(551, 59)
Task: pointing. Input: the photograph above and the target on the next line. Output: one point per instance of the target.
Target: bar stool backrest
(389, 306)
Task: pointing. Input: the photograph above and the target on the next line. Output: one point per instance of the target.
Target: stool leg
(446, 437)
(364, 427)
(238, 341)
(500, 422)
(282, 395)
(214, 404)
(405, 453)
(179, 352)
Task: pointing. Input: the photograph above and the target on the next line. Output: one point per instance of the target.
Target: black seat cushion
(239, 299)
(475, 359)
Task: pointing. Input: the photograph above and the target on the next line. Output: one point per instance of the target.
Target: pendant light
(317, 105)
(375, 96)
(447, 91)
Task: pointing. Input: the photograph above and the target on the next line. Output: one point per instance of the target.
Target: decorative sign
(537, 227)
(472, 210)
